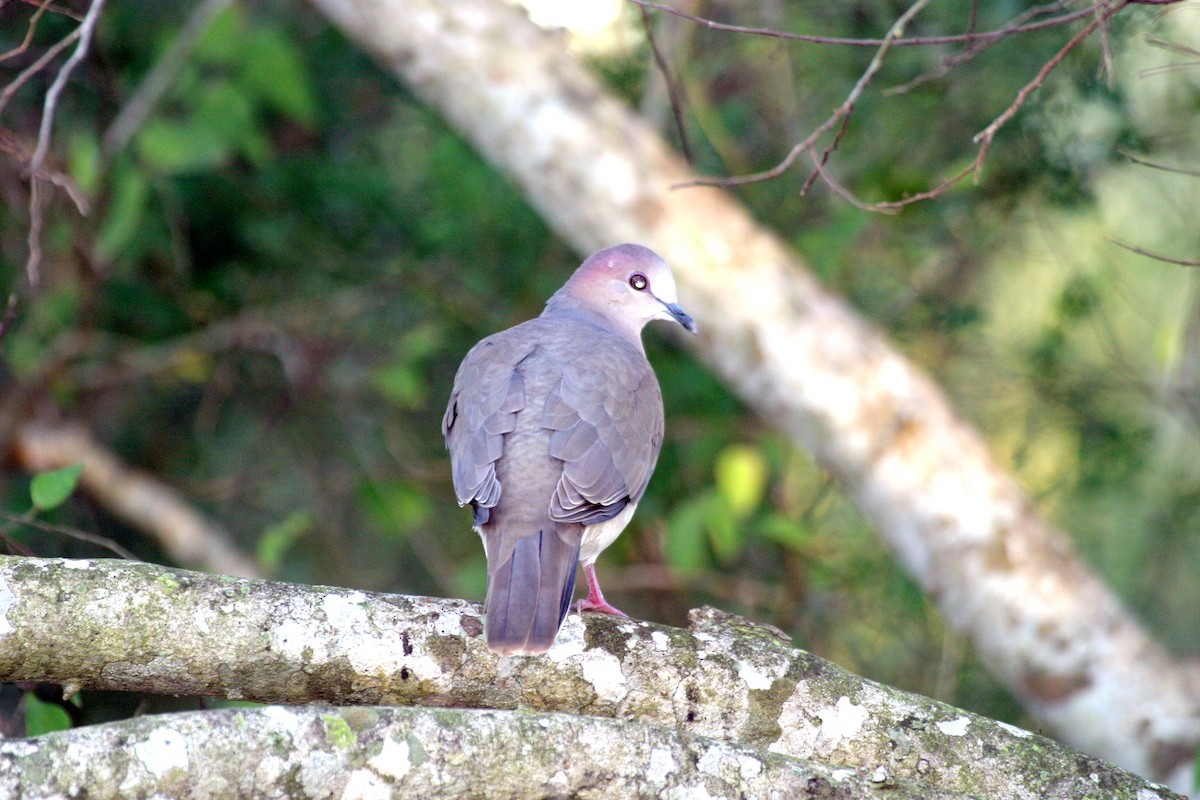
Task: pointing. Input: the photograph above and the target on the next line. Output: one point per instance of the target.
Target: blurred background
(286, 258)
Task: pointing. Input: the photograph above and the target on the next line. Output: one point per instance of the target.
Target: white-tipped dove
(553, 429)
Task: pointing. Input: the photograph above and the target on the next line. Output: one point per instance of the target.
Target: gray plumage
(553, 428)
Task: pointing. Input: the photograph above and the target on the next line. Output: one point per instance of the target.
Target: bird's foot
(595, 600)
(600, 607)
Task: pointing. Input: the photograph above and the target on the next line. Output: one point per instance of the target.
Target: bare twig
(51, 53)
(837, 139)
(10, 145)
(34, 237)
(1137, 159)
(24, 45)
(916, 41)
(984, 137)
(1183, 262)
(844, 110)
(86, 29)
(74, 533)
(54, 9)
(846, 194)
(49, 107)
(674, 91)
(1171, 47)
(1100, 11)
(1018, 24)
(1106, 58)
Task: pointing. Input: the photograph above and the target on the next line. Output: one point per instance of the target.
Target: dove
(553, 429)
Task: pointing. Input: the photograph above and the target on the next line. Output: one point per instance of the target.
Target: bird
(553, 428)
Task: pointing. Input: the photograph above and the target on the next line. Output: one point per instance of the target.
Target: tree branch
(121, 625)
(49, 109)
(414, 752)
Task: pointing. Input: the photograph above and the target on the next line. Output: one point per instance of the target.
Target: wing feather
(488, 393)
(607, 432)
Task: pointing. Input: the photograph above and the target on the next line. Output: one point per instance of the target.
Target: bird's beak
(682, 317)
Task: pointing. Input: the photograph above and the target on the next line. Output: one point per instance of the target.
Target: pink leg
(595, 600)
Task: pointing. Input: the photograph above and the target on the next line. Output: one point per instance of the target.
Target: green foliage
(396, 506)
(123, 221)
(276, 540)
(50, 489)
(42, 717)
(403, 381)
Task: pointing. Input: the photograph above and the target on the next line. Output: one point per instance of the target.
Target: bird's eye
(638, 281)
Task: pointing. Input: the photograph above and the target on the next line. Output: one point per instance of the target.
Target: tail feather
(529, 595)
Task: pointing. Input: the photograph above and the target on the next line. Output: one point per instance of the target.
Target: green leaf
(224, 41)
(173, 147)
(724, 533)
(403, 384)
(740, 474)
(403, 380)
(277, 539)
(687, 534)
(43, 717)
(276, 72)
(125, 212)
(51, 489)
(395, 506)
(85, 162)
(791, 533)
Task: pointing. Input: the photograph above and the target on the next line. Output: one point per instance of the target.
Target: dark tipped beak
(682, 317)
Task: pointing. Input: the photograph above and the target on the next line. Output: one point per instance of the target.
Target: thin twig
(981, 45)
(984, 138)
(86, 29)
(842, 191)
(987, 134)
(16, 83)
(1183, 262)
(673, 90)
(1137, 159)
(916, 41)
(24, 45)
(12, 146)
(74, 533)
(837, 140)
(60, 10)
(49, 107)
(34, 236)
(847, 106)
(1101, 12)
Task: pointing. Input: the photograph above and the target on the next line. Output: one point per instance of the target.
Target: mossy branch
(107, 624)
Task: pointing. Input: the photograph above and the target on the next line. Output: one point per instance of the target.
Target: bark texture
(122, 625)
(1047, 626)
(368, 753)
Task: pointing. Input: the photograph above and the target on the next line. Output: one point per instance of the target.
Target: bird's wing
(488, 394)
(606, 423)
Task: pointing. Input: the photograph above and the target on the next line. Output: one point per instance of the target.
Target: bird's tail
(530, 593)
